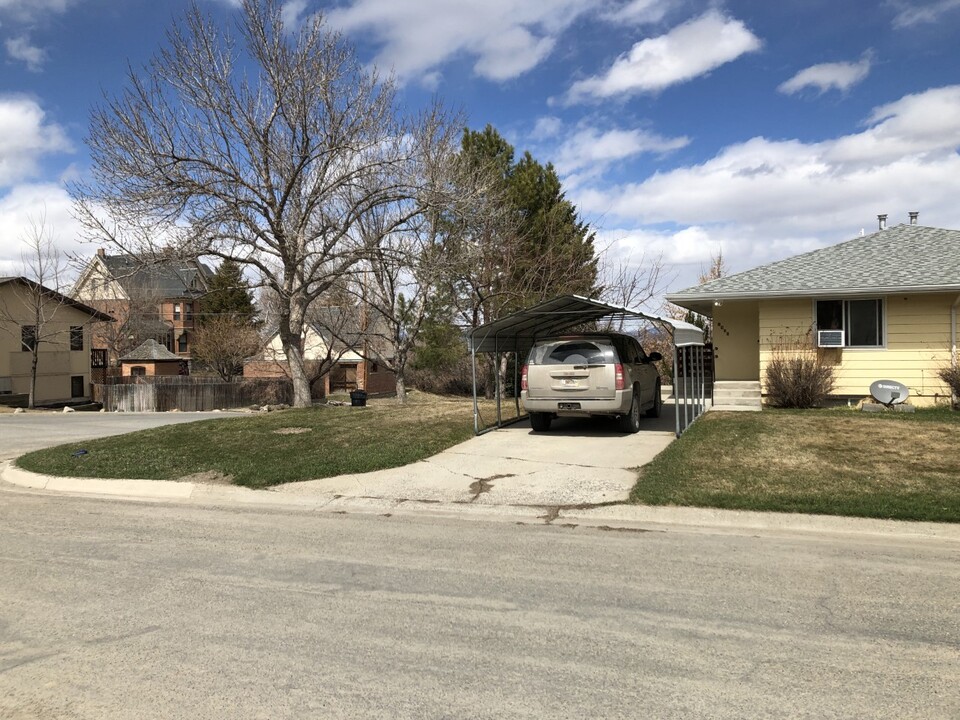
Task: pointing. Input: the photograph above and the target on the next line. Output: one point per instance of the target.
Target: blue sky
(680, 127)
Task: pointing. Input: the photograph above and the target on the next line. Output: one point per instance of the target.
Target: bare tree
(714, 271)
(32, 312)
(410, 256)
(267, 151)
(331, 330)
(223, 342)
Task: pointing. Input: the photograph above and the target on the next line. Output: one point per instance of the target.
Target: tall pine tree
(229, 295)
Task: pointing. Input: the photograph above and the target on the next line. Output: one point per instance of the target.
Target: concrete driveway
(577, 462)
(24, 432)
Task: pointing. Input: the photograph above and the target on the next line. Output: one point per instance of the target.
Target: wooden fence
(189, 394)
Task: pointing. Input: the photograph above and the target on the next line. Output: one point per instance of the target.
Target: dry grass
(831, 461)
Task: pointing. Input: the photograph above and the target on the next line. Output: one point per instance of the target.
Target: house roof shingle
(904, 258)
(167, 278)
(150, 350)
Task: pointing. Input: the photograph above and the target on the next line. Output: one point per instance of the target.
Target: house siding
(917, 344)
(56, 363)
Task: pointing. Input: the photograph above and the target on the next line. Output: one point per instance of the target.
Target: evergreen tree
(229, 295)
(523, 241)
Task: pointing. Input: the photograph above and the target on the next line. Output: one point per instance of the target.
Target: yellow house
(60, 327)
(882, 306)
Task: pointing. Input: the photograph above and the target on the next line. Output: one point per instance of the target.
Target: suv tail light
(523, 378)
(618, 370)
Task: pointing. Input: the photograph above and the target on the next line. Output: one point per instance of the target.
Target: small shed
(151, 359)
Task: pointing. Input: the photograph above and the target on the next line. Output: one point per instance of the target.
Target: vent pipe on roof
(913, 217)
(883, 221)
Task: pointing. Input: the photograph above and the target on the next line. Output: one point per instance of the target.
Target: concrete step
(736, 408)
(737, 384)
(730, 393)
(738, 401)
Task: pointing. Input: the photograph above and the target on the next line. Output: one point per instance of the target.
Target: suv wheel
(654, 412)
(540, 422)
(630, 423)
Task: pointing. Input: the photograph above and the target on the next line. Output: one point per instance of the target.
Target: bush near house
(798, 379)
(951, 376)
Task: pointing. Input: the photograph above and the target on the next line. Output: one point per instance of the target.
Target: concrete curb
(154, 489)
(769, 521)
(611, 516)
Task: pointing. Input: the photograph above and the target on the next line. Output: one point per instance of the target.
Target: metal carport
(517, 332)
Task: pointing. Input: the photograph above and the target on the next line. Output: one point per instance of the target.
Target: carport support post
(476, 407)
(496, 372)
(516, 376)
(703, 379)
(676, 397)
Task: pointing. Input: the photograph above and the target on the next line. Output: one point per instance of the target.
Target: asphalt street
(115, 609)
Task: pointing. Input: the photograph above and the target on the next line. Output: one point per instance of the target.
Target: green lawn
(835, 462)
(280, 447)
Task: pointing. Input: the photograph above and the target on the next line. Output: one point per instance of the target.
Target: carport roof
(552, 317)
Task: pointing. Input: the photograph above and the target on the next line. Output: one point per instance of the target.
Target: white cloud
(591, 149)
(639, 12)
(505, 38)
(767, 199)
(292, 13)
(914, 12)
(25, 136)
(829, 76)
(19, 48)
(689, 50)
(546, 127)
(27, 204)
(31, 10)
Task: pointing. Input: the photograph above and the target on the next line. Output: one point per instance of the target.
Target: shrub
(798, 380)
(951, 376)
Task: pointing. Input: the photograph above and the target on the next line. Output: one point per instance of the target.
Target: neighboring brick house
(159, 300)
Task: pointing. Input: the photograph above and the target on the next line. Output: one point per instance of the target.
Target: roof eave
(680, 298)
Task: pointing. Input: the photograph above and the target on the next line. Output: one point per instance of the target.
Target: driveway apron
(578, 462)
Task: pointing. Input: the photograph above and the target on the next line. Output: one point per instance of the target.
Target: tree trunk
(293, 349)
(34, 357)
(298, 374)
(401, 387)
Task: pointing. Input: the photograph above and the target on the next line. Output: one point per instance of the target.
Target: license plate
(569, 381)
(568, 406)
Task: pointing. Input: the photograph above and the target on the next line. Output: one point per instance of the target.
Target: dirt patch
(208, 477)
(291, 431)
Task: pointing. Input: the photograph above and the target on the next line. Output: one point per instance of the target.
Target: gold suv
(605, 374)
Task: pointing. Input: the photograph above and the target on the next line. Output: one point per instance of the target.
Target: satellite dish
(889, 392)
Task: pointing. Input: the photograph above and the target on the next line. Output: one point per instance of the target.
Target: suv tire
(540, 422)
(630, 423)
(654, 412)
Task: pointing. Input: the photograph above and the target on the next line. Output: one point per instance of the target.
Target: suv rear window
(572, 352)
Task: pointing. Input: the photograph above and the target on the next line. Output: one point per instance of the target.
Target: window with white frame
(860, 320)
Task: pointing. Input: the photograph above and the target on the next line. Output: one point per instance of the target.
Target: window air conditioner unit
(829, 338)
